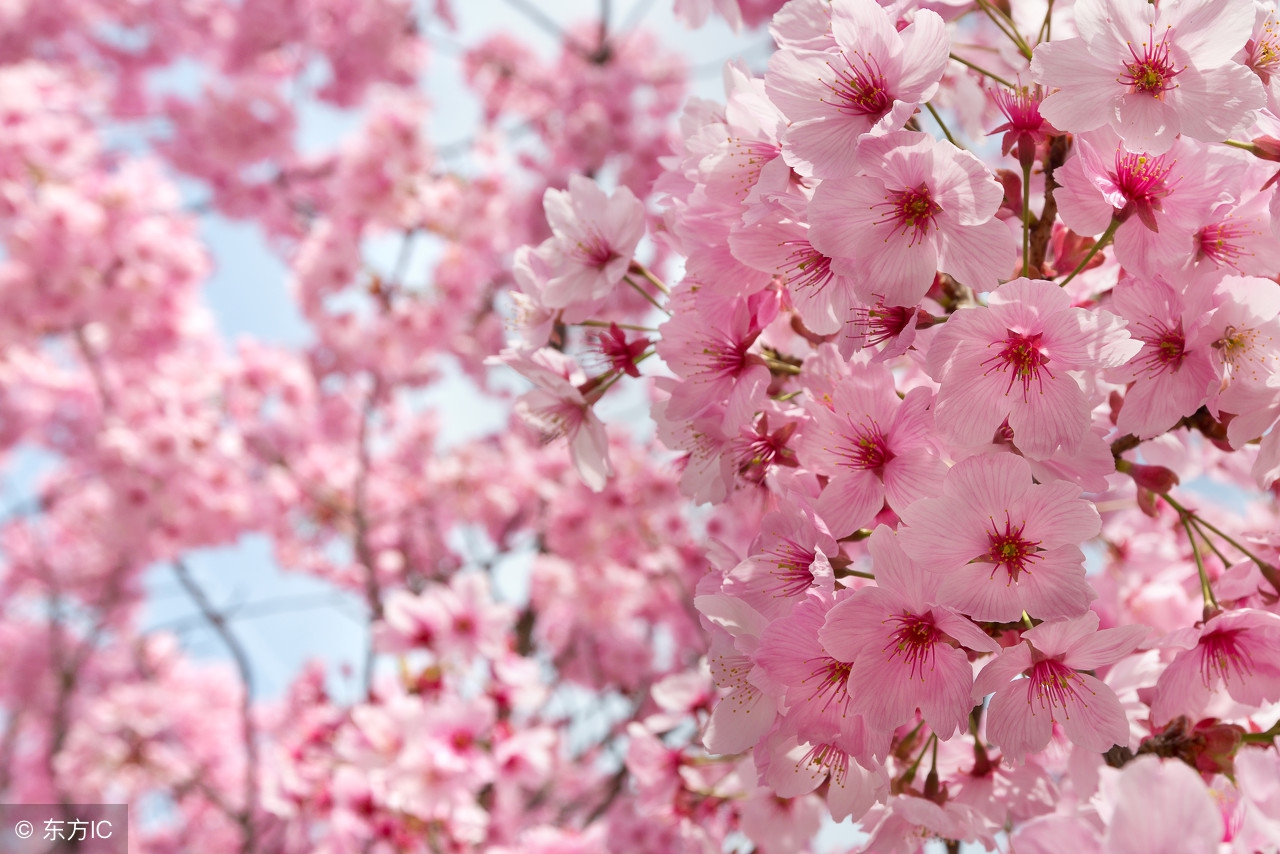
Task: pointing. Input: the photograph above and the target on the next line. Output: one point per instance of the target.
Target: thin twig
(247, 731)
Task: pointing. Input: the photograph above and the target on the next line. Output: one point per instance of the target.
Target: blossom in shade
(1237, 652)
(779, 245)
(557, 407)
(1040, 682)
(1173, 374)
(905, 648)
(871, 81)
(916, 206)
(871, 446)
(1161, 201)
(785, 560)
(1003, 543)
(1018, 358)
(594, 237)
(1152, 72)
(707, 345)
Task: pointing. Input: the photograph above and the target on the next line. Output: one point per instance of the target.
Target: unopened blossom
(1004, 545)
(871, 81)
(1019, 358)
(1237, 652)
(594, 237)
(916, 206)
(1152, 72)
(908, 652)
(1041, 682)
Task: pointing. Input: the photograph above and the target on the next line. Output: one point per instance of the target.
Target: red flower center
(808, 268)
(912, 209)
(865, 447)
(1053, 684)
(1151, 71)
(1166, 347)
(860, 88)
(1024, 361)
(1222, 655)
(1009, 549)
(913, 640)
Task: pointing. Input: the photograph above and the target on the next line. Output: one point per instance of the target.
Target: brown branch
(248, 734)
(1042, 230)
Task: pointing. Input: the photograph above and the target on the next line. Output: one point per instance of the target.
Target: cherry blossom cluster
(979, 317)
(535, 663)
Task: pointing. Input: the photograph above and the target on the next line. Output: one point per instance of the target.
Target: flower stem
(637, 267)
(1206, 589)
(1006, 26)
(780, 366)
(1046, 27)
(1102, 241)
(937, 118)
(632, 282)
(605, 324)
(984, 72)
(1026, 221)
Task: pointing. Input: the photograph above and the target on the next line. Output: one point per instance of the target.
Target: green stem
(984, 72)
(654, 280)
(1006, 26)
(1102, 241)
(911, 772)
(937, 118)
(605, 324)
(1268, 571)
(1261, 737)
(1208, 541)
(780, 366)
(1206, 589)
(1026, 221)
(1243, 146)
(1046, 27)
(632, 282)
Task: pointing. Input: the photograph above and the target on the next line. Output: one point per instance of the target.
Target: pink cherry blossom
(915, 206)
(1151, 73)
(1055, 690)
(557, 407)
(901, 644)
(872, 80)
(595, 236)
(1235, 651)
(871, 446)
(1160, 201)
(1173, 373)
(1019, 358)
(1004, 545)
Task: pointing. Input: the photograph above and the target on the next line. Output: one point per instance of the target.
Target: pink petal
(1092, 716)
(1188, 820)
(1015, 725)
(850, 501)
(978, 255)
